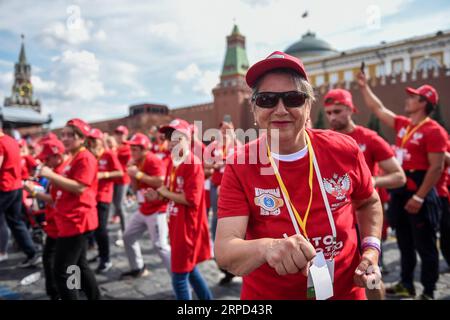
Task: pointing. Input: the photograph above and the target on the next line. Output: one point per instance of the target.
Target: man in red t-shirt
(147, 173)
(414, 210)
(305, 185)
(378, 154)
(121, 184)
(109, 168)
(11, 201)
(75, 210)
(53, 156)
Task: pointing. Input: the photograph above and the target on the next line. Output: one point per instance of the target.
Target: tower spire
(236, 61)
(22, 56)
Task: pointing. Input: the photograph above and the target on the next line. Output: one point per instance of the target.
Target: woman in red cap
(188, 227)
(75, 213)
(109, 168)
(287, 220)
(52, 156)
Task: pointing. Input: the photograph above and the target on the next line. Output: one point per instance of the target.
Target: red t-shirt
(152, 166)
(108, 162)
(188, 226)
(161, 151)
(77, 214)
(28, 165)
(10, 169)
(246, 192)
(50, 225)
(430, 137)
(213, 151)
(374, 147)
(124, 156)
(443, 184)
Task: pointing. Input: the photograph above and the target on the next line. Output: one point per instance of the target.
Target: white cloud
(165, 31)
(202, 81)
(190, 72)
(58, 32)
(42, 86)
(77, 75)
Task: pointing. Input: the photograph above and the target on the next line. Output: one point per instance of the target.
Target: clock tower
(22, 89)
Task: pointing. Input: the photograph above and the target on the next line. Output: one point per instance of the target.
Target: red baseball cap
(139, 139)
(339, 96)
(47, 137)
(179, 125)
(80, 125)
(22, 142)
(122, 130)
(95, 134)
(51, 147)
(426, 91)
(275, 60)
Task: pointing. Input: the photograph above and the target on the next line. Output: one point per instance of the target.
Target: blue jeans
(181, 286)
(214, 199)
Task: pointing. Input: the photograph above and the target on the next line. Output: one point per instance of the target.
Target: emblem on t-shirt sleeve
(337, 186)
(269, 201)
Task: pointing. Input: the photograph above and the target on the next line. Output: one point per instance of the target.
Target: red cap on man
(275, 60)
(426, 91)
(80, 125)
(179, 125)
(339, 96)
(95, 134)
(122, 130)
(51, 147)
(139, 139)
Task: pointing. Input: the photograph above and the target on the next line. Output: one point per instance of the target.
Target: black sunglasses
(291, 99)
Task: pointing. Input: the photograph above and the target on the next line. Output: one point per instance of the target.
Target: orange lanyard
(409, 133)
(301, 222)
(172, 178)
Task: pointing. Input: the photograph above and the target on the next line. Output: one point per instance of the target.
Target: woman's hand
(290, 255)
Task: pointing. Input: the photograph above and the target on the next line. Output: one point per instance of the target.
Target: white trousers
(157, 227)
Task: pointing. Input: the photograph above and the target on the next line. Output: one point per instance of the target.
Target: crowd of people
(313, 200)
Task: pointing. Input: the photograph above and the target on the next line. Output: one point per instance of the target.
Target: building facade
(390, 67)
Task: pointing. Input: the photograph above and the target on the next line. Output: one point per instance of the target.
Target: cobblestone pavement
(157, 285)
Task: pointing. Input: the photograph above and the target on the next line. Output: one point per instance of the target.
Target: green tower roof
(236, 62)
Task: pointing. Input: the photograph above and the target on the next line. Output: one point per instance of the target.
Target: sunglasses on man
(291, 99)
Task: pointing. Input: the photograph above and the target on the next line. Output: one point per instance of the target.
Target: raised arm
(375, 104)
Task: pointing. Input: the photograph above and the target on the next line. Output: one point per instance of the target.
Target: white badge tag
(140, 196)
(320, 279)
(399, 154)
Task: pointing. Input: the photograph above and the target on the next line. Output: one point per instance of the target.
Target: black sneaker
(227, 279)
(137, 273)
(31, 262)
(400, 290)
(103, 267)
(425, 296)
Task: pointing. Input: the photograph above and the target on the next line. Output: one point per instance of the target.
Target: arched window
(427, 64)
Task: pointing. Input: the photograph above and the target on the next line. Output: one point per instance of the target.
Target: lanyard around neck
(291, 208)
(409, 133)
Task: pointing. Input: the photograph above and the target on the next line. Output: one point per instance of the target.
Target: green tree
(374, 124)
(437, 116)
(320, 122)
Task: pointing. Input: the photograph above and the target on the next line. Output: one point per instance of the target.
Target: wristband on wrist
(139, 175)
(418, 199)
(33, 194)
(107, 175)
(371, 242)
